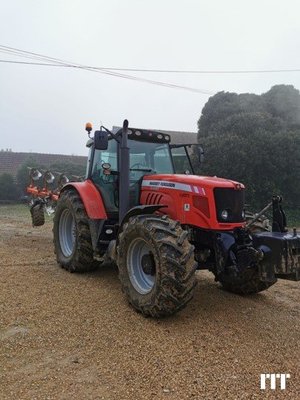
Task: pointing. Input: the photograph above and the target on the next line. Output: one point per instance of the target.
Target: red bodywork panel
(190, 198)
(91, 198)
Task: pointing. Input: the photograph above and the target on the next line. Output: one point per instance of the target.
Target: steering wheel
(137, 165)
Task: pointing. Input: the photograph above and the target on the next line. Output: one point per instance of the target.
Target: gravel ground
(68, 336)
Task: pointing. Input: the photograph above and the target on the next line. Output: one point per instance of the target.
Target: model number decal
(169, 185)
(175, 185)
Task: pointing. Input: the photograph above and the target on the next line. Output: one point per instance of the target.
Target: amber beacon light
(88, 127)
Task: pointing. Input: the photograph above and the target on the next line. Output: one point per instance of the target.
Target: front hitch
(281, 254)
(280, 249)
(274, 254)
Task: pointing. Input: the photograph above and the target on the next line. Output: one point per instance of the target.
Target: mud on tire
(166, 281)
(72, 238)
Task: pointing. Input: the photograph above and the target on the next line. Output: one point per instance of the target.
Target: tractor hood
(196, 200)
(189, 183)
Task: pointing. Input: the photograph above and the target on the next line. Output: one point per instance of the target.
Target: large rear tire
(156, 265)
(72, 238)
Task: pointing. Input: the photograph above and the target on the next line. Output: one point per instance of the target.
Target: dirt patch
(69, 336)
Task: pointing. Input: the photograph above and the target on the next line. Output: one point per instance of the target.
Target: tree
(255, 140)
(283, 101)
(223, 105)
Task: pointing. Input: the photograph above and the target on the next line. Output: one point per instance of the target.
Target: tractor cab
(150, 153)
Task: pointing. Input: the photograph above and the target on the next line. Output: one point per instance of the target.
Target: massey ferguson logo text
(167, 184)
(273, 381)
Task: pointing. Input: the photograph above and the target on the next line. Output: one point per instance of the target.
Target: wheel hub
(148, 264)
(141, 266)
(67, 233)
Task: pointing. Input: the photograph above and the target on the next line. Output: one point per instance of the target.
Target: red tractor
(142, 207)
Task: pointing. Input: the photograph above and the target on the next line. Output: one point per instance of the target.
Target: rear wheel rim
(67, 233)
(142, 282)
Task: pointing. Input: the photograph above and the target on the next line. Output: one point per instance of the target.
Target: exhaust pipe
(124, 173)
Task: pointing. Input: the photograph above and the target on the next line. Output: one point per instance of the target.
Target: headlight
(224, 214)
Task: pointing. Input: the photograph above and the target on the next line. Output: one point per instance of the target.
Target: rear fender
(90, 197)
(93, 205)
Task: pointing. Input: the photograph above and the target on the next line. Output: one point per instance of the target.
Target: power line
(174, 71)
(62, 63)
(264, 71)
(59, 62)
(36, 63)
(43, 60)
(27, 54)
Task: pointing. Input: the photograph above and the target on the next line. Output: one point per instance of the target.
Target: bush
(8, 188)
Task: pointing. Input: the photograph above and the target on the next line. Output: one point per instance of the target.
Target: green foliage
(283, 101)
(255, 140)
(293, 218)
(8, 188)
(223, 105)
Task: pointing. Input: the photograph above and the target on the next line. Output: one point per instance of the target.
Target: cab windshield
(149, 157)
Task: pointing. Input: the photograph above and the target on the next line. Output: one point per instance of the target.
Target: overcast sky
(44, 109)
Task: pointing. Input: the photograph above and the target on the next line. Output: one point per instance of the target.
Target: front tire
(244, 283)
(72, 238)
(156, 265)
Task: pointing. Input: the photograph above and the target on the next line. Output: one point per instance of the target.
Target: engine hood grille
(232, 201)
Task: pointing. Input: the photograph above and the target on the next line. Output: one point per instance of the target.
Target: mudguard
(143, 209)
(90, 197)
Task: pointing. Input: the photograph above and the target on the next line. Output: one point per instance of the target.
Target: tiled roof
(10, 161)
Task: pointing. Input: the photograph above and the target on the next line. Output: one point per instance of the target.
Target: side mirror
(200, 154)
(101, 140)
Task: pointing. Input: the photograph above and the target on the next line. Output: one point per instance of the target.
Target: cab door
(107, 183)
